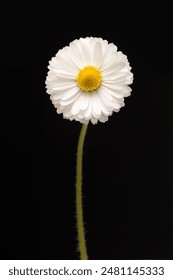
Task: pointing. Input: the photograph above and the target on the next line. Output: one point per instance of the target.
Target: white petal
(77, 57)
(76, 107)
(86, 51)
(85, 101)
(121, 89)
(65, 63)
(67, 113)
(94, 120)
(70, 93)
(96, 109)
(105, 100)
(116, 110)
(103, 118)
(105, 111)
(108, 51)
(115, 104)
(80, 115)
(113, 65)
(60, 79)
(97, 56)
(88, 111)
(65, 86)
(71, 99)
(64, 74)
(58, 94)
(113, 92)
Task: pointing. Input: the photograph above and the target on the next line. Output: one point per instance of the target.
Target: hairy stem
(79, 207)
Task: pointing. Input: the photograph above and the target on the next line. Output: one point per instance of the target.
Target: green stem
(79, 208)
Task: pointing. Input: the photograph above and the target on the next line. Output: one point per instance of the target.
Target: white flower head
(88, 80)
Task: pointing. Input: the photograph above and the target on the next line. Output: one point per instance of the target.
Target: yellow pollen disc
(89, 78)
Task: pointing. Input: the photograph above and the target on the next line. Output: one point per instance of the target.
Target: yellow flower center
(89, 78)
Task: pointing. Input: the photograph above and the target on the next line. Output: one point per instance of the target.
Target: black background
(128, 183)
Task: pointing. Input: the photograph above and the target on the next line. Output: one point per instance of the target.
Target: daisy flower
(88, 80)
